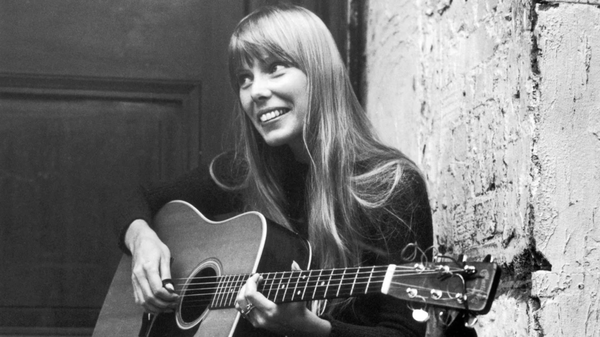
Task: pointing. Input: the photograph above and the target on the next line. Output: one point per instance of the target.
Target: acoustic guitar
(212, 260)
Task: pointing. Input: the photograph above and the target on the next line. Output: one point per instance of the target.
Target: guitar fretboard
(304, 285)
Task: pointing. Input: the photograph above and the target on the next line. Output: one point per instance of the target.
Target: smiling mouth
(272, 115)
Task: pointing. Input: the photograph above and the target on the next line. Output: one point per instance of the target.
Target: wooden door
(96, 97)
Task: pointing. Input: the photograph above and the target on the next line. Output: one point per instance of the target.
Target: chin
(275, 143)
(276, 140)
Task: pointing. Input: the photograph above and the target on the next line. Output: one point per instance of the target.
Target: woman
(308, 160)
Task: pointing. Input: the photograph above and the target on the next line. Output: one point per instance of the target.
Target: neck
(294, 286)
(300, 150)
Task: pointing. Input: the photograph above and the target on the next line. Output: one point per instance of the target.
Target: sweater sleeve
(196, 187)
(407, 220)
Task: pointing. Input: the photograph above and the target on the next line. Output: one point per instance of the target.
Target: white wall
(498, 102)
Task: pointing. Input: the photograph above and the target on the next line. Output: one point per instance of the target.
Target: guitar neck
(308, 285)
(471, 287)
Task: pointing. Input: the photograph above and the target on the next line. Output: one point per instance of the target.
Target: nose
(260, 89)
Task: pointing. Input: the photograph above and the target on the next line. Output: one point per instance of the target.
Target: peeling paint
(497, 101)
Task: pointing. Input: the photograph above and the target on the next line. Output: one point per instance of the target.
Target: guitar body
(244, 244)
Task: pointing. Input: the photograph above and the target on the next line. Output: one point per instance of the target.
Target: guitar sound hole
(198, 294)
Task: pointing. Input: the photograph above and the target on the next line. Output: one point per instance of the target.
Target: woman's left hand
(290, 319)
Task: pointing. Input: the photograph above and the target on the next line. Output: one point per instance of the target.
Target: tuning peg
(471, 321)
(420, 315)
(488, 259)
(470, 270)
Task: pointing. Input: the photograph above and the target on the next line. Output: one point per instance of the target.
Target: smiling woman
(307, 159)
(274, 95)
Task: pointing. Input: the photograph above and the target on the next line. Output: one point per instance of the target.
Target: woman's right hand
(151, 260)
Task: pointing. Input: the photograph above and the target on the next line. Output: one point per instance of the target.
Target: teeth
(270, 115)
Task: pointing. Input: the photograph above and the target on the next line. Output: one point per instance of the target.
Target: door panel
(70, 151)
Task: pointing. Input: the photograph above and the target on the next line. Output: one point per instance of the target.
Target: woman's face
(274, 95)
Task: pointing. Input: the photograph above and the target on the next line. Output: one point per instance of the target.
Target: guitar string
(206, 302)
(341, 272)
(317, 286)
(274, 277)
(226, 296)
(240, 279)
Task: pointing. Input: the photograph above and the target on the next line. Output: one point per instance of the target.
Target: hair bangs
(265, 34)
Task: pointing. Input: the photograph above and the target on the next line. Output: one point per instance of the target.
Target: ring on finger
(247, 310)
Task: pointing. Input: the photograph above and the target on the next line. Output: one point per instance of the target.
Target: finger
(137, 291)
(153, 275)
(295, 266)
(251, 285)
(254, 296)
(240, 299)
(156, 303)
(155, 297)
(167, 296)
(143, 287)
(165, 266)
(159, 296)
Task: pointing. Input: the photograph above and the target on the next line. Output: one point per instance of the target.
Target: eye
(244, 80)
(277, 67)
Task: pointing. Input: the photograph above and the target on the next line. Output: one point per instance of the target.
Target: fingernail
(169, 286)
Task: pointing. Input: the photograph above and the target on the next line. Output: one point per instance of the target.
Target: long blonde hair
(350, 170)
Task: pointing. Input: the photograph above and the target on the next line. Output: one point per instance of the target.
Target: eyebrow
(244, 66)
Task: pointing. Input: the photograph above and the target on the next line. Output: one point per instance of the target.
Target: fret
(214, 297)
(321, 284)
(361, 282)
(227, 291)
(280, 286)
(271, 279)
(263, 284)
(337, 294)
(238, 281)
(222, 290)
(287, 286)
(346, 282)
(276, 282)
(317, 284)
(379, 273)
(296, 291)
(215, 300)
(369, 280)
(306, 284)
(354, 281)
(331, 271)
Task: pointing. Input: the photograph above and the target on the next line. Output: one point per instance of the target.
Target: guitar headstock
(448, 283)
